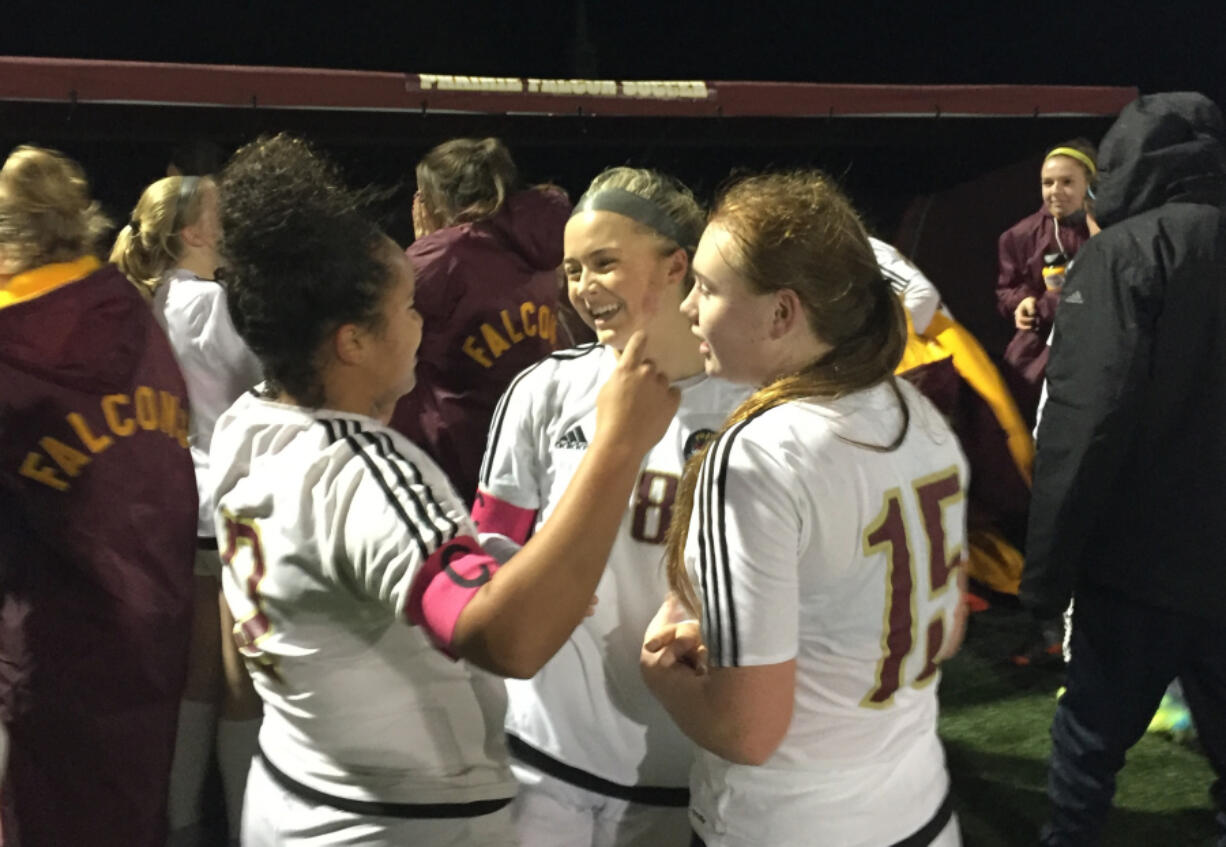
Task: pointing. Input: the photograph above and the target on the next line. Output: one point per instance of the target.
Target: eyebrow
(590, 254)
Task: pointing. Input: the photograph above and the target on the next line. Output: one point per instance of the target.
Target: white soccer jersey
(216, 363)
(919, 296)
(806, 546)
(588, 707)
(349, 557)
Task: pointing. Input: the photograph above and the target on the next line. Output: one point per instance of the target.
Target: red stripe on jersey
(498, 516)
(448, 580)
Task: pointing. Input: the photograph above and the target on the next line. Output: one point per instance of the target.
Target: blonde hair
(670, 196)
(465, 180)
(151, 244)
(46, 212)
(798, 231)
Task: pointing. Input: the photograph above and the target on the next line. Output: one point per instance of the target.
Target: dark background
(1155, 46)
(890, 167)
(1175, 45)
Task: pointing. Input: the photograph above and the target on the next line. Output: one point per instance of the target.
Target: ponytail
(465, 180)
(798, 231)
(150, 244)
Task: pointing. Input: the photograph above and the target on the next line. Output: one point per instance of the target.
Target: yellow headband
(1074, 154)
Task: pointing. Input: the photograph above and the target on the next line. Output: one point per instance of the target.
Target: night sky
(1156, 47)
(888, 169)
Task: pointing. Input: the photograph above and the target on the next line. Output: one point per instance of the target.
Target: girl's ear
(193, 235)
(678, 266)
(788, 313)
(348, 343)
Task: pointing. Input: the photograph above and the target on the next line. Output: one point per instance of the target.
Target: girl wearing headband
(1034, 254)
(816, 543)
(170, 248)
(599, 762)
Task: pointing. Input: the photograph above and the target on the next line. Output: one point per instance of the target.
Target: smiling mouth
(603, 313)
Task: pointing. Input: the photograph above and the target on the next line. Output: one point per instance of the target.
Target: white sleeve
(217, 367)
(919, 296)
(222, 349)
(396, 522)
(509, 484)
(744, 544)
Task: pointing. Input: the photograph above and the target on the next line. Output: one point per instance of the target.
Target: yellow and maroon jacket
(952, 369)
(97, 534)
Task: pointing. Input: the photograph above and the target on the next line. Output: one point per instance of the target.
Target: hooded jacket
(488, 293)
(1130, 480)
(97, 535)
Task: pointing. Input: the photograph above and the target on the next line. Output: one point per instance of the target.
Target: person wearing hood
(1034, 255)
(486, 260)
(1128, 495)
(98, 498)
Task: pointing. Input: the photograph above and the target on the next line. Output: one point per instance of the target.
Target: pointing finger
(632, 354)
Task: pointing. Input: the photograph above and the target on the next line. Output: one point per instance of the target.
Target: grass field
(994, 722)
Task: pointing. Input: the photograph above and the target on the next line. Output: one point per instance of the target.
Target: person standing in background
(170, 247)
(1034, 255)
(1127, 500)
(486, 260)
(99, 505)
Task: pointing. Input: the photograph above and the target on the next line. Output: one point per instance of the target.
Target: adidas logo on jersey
(574, 439)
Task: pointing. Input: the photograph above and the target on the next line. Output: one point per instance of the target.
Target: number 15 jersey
(806, 545)
(588, 706)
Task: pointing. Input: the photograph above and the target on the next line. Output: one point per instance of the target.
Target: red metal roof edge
(100, 81)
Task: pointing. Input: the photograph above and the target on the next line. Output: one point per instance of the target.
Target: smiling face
(616, 274)
(732, 321)
(1063, 183)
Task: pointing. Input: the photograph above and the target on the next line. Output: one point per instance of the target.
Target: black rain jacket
(1130, 477)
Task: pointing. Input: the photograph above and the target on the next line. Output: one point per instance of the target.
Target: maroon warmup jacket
(488, 292)
(1024, 250)
(97, 531)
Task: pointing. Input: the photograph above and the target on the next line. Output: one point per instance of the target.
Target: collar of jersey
(30, 284)
(610, 362)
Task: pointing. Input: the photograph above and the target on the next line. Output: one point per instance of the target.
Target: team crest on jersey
(698, 439)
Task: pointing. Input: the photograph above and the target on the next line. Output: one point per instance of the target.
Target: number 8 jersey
(804, 544)
(588, 707)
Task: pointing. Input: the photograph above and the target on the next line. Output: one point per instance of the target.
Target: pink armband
(447, 581)
(498, 516)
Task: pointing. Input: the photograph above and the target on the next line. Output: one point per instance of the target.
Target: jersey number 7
(888, 534)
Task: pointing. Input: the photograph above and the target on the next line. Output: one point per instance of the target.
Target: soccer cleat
(1044, 648)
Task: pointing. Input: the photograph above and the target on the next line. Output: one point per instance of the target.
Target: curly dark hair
(302, 258)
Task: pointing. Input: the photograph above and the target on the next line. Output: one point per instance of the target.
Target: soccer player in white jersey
(817, 542)
(365, 606)
(170, 249)
(599, 761)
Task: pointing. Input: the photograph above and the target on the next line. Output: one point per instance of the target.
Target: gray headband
(187, 190)
(635, 207)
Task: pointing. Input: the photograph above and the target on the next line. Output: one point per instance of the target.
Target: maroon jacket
(1023, 249)
(97, 533)
(488, 292)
